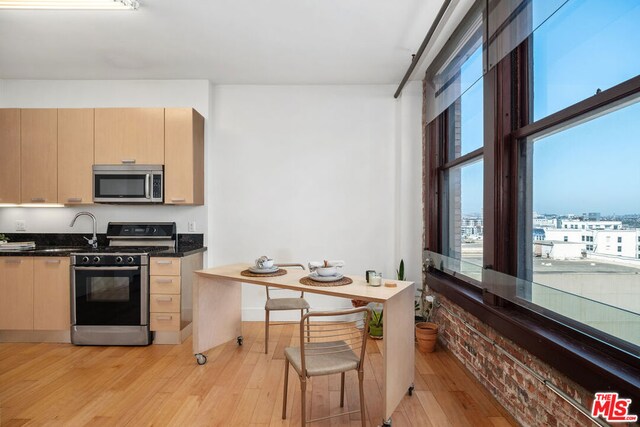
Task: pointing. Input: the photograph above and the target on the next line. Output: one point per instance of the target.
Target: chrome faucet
(93, 241)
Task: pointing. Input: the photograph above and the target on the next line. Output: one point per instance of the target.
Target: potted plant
(3, 239)
(375, 324)
(426, 330)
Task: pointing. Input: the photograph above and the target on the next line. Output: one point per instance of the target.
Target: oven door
(110, 296)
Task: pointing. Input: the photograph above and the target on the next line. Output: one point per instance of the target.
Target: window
(559, 136)
(581, 49)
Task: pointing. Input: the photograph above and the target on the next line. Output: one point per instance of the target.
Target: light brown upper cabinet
(39, 156)
(129, 136)
(75, 156)
(10, 158)
(184, 157)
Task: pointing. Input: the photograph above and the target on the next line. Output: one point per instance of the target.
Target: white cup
(264, 263)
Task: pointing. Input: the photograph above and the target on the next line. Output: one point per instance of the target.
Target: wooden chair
(328, 348)
(281, 304)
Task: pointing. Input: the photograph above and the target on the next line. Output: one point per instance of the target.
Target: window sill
(592, 364)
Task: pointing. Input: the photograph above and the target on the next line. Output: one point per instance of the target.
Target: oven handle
(105, 268)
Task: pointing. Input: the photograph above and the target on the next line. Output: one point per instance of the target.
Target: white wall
(97, 93)
(300, 173)
(306, 173)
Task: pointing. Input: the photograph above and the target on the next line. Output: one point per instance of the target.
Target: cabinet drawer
(165, 285)
(165, 266)
(165, 303)
(165, 321)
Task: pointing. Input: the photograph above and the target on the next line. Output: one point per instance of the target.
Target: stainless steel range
(110, 285)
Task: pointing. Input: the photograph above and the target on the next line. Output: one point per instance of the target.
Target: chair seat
(286, 304)
(323, 358)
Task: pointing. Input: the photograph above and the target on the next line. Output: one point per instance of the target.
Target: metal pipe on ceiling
(422, 47)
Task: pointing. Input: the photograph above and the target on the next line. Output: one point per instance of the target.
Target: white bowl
(327, 271)
(266, 264)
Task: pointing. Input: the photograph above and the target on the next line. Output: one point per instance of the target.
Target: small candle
(375, 280)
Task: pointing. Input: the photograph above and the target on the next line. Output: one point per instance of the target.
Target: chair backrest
(280, 289)
(347, 331)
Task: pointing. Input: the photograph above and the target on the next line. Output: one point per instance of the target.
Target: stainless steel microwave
(128, 183)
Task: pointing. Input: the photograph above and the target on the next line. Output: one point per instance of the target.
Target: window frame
(594, 364)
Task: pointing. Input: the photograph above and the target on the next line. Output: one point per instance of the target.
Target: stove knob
(130, 260)
(85, 259)
(119, 259)
(96, 259)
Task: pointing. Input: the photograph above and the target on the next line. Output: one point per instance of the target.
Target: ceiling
(224, 41)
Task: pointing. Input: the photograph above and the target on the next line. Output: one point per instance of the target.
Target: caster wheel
(201, 359)
(240, 339)
(411, 390)
(386, 423)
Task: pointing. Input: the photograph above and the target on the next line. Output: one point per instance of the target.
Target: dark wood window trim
(594, 364)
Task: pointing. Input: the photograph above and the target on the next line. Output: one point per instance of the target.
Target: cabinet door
(75, 156)
(184, 157)
(39, 157)
(10, 158)
(16, 293)
(129, 135)
(51, 293)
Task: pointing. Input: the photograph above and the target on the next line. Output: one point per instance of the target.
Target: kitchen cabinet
(10, 158)
(171, 298)
(39, 155)
(75, 155)
(51, 293)
(16, 293)
(129, 136)
(184, 157)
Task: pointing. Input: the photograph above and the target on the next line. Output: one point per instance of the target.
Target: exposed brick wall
(527, 399)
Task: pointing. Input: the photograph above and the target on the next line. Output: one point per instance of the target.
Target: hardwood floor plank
(66, 385)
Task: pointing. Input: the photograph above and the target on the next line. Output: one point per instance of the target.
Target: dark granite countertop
(62, 245)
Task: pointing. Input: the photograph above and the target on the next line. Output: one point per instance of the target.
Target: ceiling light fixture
(71, 4)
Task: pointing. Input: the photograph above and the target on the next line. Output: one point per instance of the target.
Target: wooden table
(217, 317)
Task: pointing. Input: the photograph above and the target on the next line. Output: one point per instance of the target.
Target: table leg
(399, 356)
(217, 312)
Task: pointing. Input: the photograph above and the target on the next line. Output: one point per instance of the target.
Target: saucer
(317, 278)
(257, 270)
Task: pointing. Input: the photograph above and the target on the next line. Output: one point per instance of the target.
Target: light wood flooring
(62, 384)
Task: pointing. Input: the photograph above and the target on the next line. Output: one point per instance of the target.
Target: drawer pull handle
(13, 261)
(74, 199)
(164, 317)
(128, 161)
(37, 199)
(164, 262)
(182, 200)
(53, 261)
(163, 281)
(164, 299)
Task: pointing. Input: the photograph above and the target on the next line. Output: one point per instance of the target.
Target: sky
(594, 167)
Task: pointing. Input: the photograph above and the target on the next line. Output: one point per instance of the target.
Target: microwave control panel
(157, 187)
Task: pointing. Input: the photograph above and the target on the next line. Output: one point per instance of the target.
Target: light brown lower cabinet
(171, 299)
(34, 293)
(51, 294)
(16, 293)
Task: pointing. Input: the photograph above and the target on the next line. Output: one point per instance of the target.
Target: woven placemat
(310, 282)
(279, 272)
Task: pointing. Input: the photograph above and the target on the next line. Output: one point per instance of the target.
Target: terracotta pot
(426, 334)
